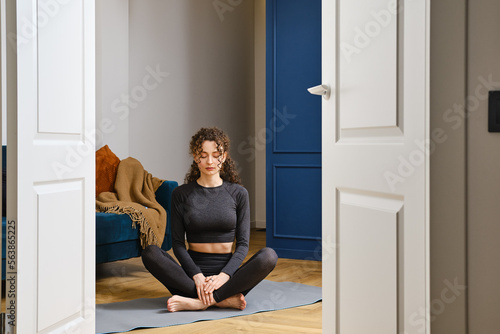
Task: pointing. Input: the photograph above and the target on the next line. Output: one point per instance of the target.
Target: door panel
(57, 96)
(55, 164)
(56, 202)
(368, 239)
(296, 52)
(306, 180)
(363, 39)
(375, 169)
(293, 150)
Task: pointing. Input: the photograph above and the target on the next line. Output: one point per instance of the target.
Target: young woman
(212, 210)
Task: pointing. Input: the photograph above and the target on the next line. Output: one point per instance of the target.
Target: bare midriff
(214, 248)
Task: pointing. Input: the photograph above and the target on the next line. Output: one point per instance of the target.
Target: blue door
(293, 151)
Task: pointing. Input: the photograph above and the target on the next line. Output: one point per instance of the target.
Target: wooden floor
(128, 279)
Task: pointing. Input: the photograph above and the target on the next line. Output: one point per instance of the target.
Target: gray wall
(448, 67)
(483, 164)
(465, 187)
(112, 75)
(260, 113)
(210, 80)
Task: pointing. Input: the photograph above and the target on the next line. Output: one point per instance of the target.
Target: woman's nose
(209, 159)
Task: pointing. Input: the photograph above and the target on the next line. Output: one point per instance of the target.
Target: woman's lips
(210, 168)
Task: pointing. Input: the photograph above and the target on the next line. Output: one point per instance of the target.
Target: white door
(375, 166)
(54, 288)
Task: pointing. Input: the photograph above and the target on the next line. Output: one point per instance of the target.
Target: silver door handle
(323, 90)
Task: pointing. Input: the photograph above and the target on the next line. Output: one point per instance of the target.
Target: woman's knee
(268, 257)
(150, 253)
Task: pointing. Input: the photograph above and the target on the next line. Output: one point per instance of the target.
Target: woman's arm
(242, 232)
(178, 235)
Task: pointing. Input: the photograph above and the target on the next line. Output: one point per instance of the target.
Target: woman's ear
(224, 157)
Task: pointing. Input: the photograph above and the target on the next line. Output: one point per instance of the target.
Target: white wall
(482, 169)
(112, 63)
(207, 80)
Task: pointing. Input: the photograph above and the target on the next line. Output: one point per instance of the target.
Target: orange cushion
(106, 165)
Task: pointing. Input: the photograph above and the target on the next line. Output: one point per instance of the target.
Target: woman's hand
(213, 283)
(206, 297)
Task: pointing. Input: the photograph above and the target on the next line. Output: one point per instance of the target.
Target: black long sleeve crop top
(206, 215)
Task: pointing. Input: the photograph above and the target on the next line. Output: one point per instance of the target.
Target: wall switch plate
(494, 111)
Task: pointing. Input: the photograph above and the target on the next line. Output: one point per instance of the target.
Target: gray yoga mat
(152, 312)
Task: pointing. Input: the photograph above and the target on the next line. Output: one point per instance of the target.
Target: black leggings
(162, 266)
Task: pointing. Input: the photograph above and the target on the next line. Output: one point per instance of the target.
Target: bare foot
(237, 301)
(179, 303)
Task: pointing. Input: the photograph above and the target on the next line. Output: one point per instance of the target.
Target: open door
(293, 47)
(51, 148)
(375, 167)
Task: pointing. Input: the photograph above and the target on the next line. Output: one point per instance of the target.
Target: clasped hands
(205, 286)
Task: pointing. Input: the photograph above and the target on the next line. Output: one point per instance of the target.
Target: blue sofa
(115, 237)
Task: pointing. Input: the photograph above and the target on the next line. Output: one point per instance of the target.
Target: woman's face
(210, 159)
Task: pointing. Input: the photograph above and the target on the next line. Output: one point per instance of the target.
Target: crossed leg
(231, 295)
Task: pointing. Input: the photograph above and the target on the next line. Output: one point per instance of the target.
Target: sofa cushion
(163, 196)
(106, 165)
(113, 228)
(118, 251)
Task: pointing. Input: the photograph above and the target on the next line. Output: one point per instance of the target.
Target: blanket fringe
(147, 235)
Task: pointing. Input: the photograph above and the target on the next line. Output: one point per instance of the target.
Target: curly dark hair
(227, 170)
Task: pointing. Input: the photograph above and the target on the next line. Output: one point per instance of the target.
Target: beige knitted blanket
(135, 196)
